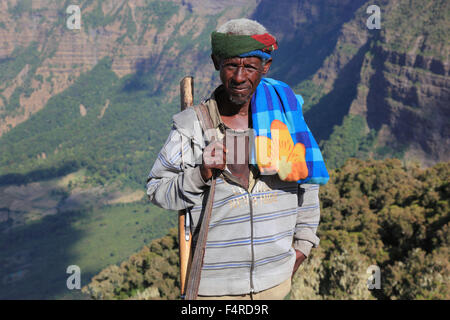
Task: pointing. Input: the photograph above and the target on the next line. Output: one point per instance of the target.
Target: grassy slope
(91, 239)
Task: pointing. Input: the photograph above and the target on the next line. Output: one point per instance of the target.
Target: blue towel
(275, 100)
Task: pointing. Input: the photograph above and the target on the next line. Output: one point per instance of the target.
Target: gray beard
(238, 101)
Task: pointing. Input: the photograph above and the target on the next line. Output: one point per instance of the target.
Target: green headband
(232, 45)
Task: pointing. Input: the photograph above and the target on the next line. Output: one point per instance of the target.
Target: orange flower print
(279, 155)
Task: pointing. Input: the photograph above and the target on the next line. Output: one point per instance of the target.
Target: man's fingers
(215, 162)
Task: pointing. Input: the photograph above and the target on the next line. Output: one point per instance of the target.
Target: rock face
(133, 33)
(408, 103)
(409, 85)
(396, 78)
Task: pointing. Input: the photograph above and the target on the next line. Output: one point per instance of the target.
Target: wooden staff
(184, 234)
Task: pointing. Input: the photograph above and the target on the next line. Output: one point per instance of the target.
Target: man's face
(241, 76)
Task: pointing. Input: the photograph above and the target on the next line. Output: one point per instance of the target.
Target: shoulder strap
(199, 251)
(205, 121)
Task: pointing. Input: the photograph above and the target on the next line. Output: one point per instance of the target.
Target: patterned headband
(232, 45)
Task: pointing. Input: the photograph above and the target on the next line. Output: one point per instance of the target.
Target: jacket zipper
(250, 199)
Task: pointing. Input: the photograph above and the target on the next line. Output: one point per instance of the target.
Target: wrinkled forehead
(242, 60)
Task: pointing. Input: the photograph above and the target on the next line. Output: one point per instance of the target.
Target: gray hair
(244, 27)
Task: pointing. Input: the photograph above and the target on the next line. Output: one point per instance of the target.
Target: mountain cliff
(371, 93)
(112, 78)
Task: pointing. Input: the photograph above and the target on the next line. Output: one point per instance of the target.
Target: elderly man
(266, 206)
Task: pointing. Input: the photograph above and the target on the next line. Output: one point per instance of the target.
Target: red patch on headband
(269, 41)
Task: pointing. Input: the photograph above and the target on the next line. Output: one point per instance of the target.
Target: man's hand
(300, 257)
(214, 157)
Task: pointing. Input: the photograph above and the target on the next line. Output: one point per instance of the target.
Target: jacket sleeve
(175, 182)
(308, 217)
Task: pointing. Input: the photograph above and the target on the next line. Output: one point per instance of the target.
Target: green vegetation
(90, 238)
(153, 272)
(427, 20)
(10, 67)
(393, 217)
(62, 110)
(21, 7)
(397, 151)
(310, 92)
(373, 213)
(350, 140)
(118, 146)
(160, 12)
(129, 24)
(94, 18)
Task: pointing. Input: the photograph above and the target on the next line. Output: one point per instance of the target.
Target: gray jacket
(252, 233)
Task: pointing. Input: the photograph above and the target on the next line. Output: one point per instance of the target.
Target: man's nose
(239, 75)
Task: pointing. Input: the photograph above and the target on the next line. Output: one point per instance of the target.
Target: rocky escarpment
(140, 36)
(307, 32)
(408, 104)
(394, 82)
(405, 86)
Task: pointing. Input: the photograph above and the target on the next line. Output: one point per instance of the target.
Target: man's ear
(216, 62)
(267, 66)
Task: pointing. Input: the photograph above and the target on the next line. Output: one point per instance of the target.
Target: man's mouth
(239, 90)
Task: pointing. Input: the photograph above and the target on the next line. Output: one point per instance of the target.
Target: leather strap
(199, 252)
(205, 121)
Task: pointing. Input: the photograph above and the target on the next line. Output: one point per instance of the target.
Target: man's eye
(248, 68)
